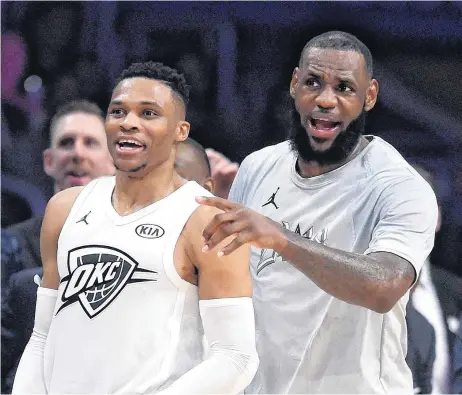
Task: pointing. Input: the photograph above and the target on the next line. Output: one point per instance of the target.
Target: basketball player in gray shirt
(340, 226)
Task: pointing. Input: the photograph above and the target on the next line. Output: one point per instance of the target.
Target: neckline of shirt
(331, 176)
(126, 219)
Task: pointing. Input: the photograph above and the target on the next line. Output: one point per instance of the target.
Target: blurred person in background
(421, 350)
(192, 163)
(446, 273)
(18, 309)
(11, 253)
(424, 299)
(77, 154)
(22, 115)
(223, 172)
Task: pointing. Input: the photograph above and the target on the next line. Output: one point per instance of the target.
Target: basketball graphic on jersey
(97, 274)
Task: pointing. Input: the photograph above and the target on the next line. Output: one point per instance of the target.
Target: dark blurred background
(238, 57)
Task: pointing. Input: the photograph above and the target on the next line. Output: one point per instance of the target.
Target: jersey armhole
(170, 246)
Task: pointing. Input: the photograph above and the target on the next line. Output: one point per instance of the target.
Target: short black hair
(160, 72)
(75, 106)
(343, 42)
(200, 150)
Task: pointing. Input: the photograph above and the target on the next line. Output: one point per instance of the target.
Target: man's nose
(327, 99)
(79, 151)
(131, 122)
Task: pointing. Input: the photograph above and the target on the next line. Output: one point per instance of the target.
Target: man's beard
(343, 145)
(134, 170)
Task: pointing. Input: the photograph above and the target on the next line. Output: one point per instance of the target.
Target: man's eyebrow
(142, 102)
(150, 103)
(347, 77)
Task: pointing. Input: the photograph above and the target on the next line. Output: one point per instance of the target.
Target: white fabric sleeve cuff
(30, 374)
(232, 361)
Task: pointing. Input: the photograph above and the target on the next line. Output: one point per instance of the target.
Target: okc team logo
(97, 275)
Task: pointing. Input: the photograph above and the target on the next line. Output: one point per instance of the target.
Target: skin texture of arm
(56, 213)
(376, 281)
(219, 277)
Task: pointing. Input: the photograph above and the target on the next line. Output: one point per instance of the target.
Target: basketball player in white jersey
(127, 294)
(340, 226)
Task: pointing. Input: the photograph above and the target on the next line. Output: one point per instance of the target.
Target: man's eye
(92, 143)
(313, 82)
(116, 111)
(149, 113)
(344, 88)
(65, 143)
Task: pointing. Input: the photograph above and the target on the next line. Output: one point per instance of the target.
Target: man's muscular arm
(376, 281)
(225, 291)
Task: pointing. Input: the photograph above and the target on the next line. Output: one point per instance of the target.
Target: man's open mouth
(76, 174)
(322, 124)
(323, 129)
(129, 145)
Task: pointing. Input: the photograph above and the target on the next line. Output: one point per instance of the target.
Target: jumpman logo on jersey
(271, 200)
(84, 218)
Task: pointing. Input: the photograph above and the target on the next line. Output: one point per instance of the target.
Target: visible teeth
(323, 119)
(130, 142)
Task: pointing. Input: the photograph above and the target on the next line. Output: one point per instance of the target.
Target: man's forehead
(342, 62)
(141, 89)
(78, 125)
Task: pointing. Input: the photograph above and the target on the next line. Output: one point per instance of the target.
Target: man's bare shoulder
(56, 213)
(63, 201)
(59, 207)
(220, 276)
(201, 217)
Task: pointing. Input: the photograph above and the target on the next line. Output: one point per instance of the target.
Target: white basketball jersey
(125, 321)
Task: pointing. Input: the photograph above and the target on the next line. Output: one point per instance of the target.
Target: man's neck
(313, 169)
(134, 193)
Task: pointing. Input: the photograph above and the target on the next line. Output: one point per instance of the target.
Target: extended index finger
(217, 202)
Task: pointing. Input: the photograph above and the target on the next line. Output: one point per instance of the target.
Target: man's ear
(48, 162)
(371, 95)
(293, 83)
(208, 184)
(183, 131)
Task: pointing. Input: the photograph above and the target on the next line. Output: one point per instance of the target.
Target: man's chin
(131, 168)
(320, 145)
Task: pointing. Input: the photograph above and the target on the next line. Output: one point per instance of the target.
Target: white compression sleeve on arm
(229, 327)
(30, 375)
